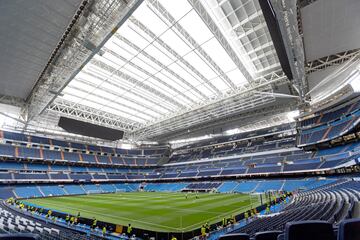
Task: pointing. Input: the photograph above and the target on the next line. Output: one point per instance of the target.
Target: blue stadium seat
(349, 229)
(52, 190)
(74, 189)
(15, 136)
(6, 192)
(235, 236)
(309, 230)
(40, 140)
(7, 150)
(269, 235)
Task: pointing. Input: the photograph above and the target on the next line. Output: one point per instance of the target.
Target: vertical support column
(96, 159)
(41, 152)
(16, 151)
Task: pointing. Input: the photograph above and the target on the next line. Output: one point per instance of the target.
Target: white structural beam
(261, 47)
(92, 115)
(212, 112)
(246, 31)
(264, 54)
(252, 17)
(332, 60)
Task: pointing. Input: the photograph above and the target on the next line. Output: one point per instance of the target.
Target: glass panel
(220, 84)
(176, 8)
(218, 55)
(176, 42)
(146, 15)
(237, 77)
(197, 62)
(197, 29)
(153, 51)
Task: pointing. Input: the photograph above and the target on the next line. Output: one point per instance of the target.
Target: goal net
(120, 190)
(88, 192)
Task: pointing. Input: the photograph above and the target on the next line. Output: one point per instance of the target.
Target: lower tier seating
(331, 203)
(12, 222)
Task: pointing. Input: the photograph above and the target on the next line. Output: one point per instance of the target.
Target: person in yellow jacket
(173, 237)
(224, 222)
(246, 215)
(104, 231)
(94, 223)
(207, 227)
(72, 220)
(203, 232)
(129, 230)
(48, 215)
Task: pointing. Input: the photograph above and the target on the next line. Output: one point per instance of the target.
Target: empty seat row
(309, 230)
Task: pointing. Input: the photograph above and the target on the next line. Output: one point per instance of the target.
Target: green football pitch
(166, 212)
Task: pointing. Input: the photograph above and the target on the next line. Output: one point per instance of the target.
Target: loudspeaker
(88, 129)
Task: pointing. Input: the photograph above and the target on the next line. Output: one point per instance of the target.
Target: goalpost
(88, 192)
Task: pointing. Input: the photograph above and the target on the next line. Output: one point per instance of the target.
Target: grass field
(167, 212)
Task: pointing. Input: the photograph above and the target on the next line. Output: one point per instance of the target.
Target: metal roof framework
(170, 65)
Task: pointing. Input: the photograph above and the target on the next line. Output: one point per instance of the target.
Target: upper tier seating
(330, 114)
(330, 131)
(33, 151)
(283, 160)
(329, 125)
(224, 139)
(232, 150)
(61, 155)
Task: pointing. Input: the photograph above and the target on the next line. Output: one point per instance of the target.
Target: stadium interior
(186, 119)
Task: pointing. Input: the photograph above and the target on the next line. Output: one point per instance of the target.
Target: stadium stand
(12, 221)
(278, 155)
(254, 186)
(330, 204)
(329, 123)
